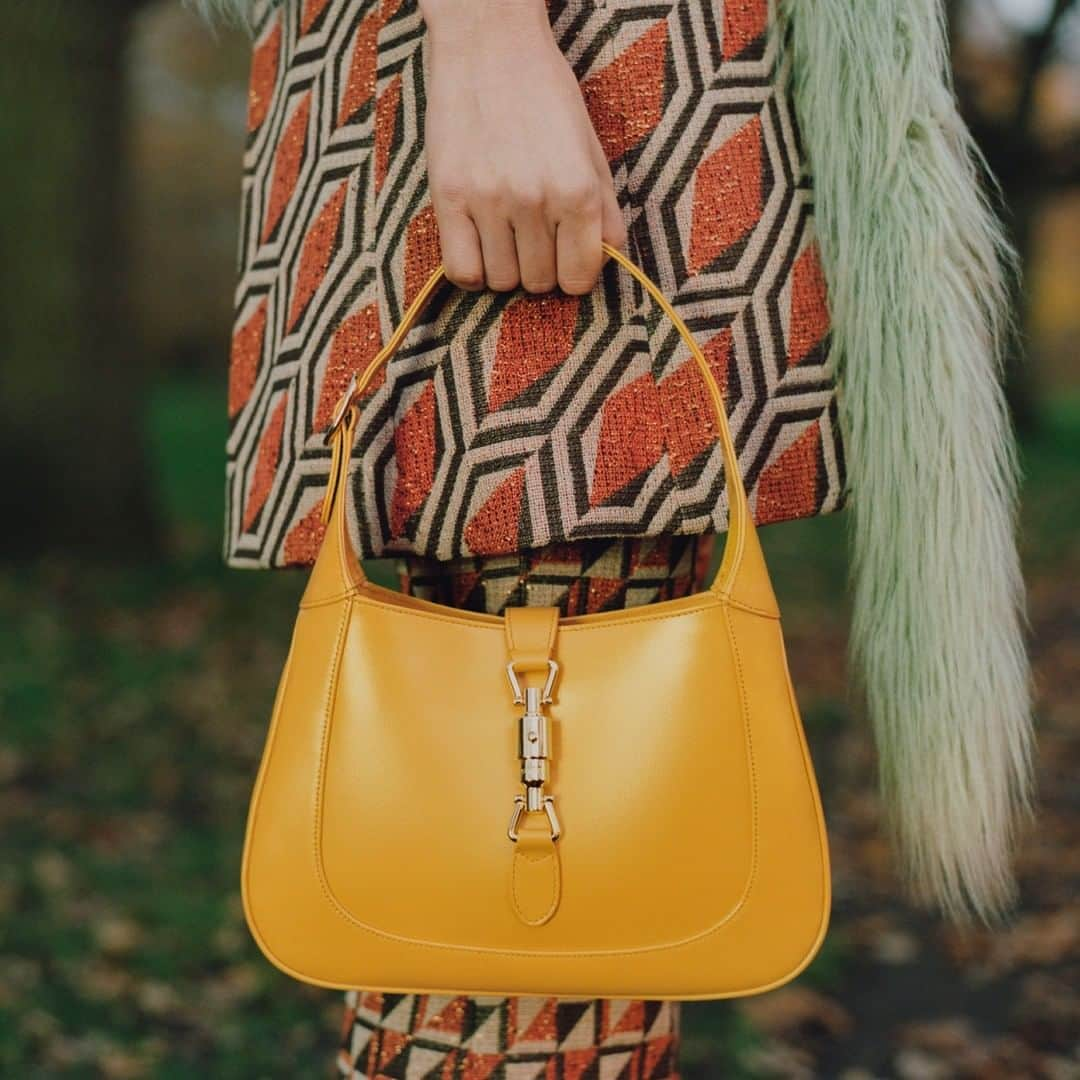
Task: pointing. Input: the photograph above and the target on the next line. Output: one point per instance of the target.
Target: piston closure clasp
(534, 750)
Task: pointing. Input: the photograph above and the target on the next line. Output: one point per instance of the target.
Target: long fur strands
(918, 270)
(237, 12)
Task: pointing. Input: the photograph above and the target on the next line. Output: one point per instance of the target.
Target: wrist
(452, 15)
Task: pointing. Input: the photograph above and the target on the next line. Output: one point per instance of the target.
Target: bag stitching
(339, 909)
(555, 892)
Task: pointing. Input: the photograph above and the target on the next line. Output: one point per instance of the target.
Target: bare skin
(519, 183)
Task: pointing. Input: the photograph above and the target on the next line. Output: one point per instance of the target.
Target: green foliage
(717, 1041)
(1051, 525)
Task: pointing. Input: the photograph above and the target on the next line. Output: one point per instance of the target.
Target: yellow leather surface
(693, 860)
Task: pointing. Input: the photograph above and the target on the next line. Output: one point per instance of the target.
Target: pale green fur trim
(917, 269)
(237, 12)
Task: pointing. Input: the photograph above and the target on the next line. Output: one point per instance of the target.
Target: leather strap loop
(535, 874)
(530, 636)
(340, 444)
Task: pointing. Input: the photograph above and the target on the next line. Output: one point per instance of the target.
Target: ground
(133, 705)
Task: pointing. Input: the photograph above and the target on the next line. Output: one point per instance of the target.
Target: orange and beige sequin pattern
(525, 1038)
(509, 422)
(580, 578)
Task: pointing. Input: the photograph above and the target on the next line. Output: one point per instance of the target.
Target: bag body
(665, 836)
(513, 420)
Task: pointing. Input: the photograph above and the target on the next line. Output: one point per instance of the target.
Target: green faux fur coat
(917, 267)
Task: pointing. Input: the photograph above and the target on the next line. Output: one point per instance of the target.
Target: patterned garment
(579, 578)
(524, 1038)
(509, 421)
(530, 1038)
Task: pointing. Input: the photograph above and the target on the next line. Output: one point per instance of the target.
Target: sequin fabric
(524, 1038)
(510, 421)
(531, 1038)
(578, 578)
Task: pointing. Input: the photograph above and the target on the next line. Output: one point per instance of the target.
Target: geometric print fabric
(579, 578)
(511, 421)
(527, 1038)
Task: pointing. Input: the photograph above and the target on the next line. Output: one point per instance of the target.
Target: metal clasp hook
(519, 812)
(534, 750)
(515, 685)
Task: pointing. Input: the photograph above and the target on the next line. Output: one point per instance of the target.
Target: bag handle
(738, 507)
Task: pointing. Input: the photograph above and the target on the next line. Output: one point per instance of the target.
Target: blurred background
(137, 674)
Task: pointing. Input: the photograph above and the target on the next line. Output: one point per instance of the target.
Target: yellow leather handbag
(611, 805)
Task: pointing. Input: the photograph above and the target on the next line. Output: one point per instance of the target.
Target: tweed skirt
(508, 421)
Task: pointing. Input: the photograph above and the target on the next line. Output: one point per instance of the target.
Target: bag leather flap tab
(530, 636)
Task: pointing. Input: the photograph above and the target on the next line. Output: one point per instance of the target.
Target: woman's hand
(520, 185)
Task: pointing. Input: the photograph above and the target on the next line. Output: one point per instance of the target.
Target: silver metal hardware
(534, 750)
(515, 685)
(519, 812)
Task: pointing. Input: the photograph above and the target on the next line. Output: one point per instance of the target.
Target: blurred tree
(1028, 167)
(72, 376)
